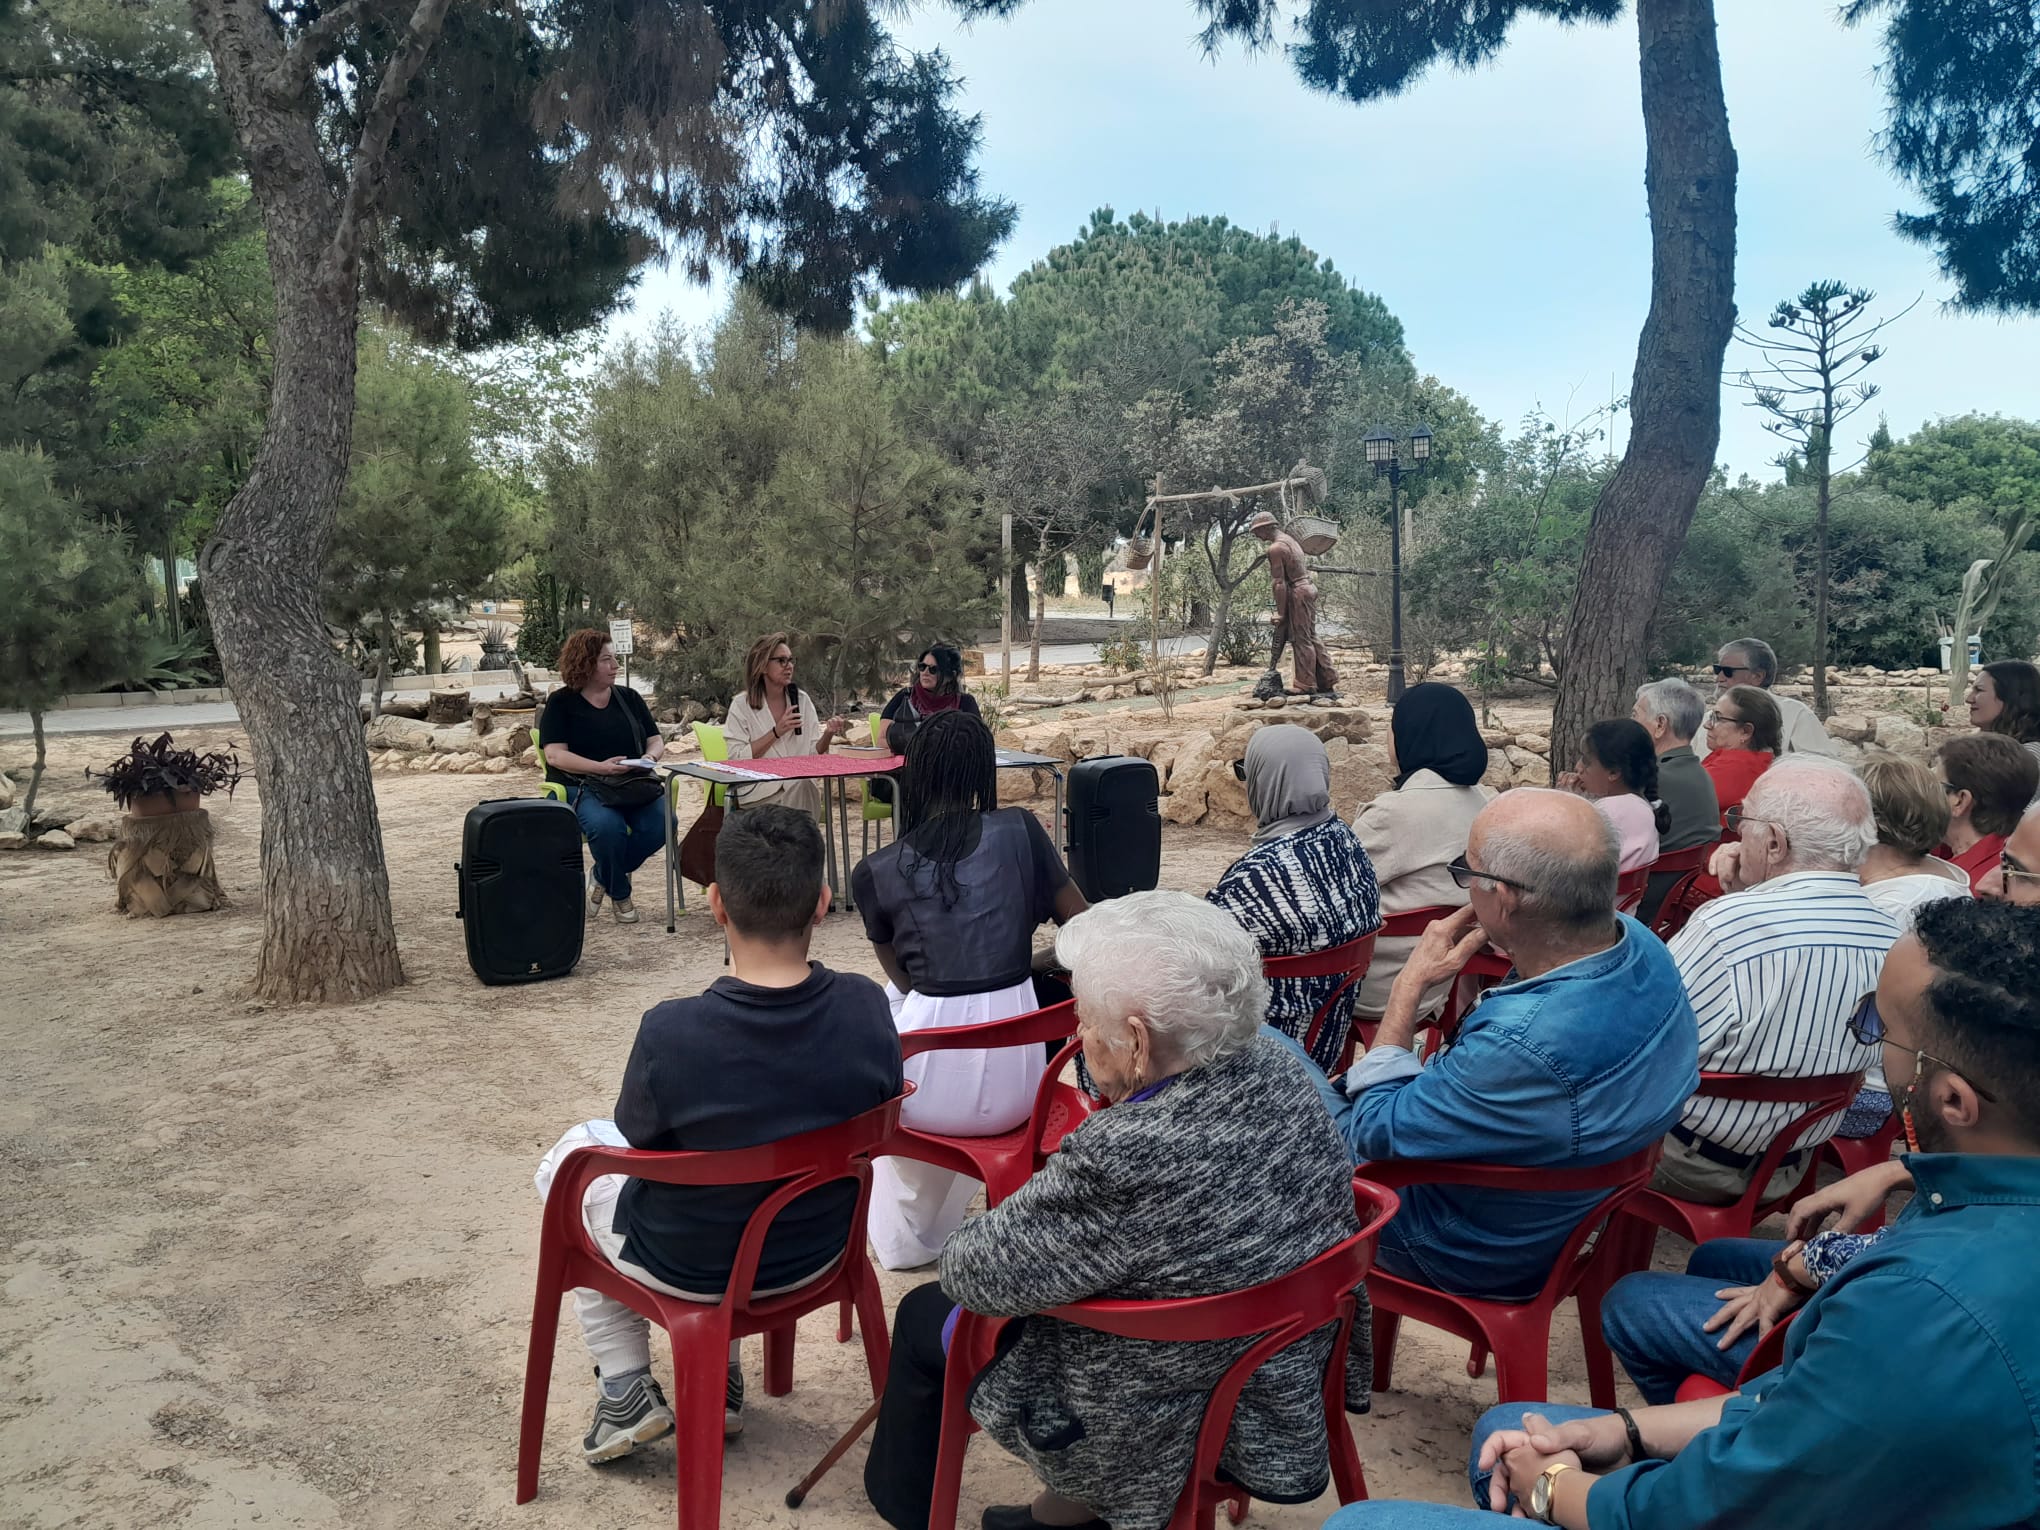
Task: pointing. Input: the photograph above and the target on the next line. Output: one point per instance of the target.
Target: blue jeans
(1652, 1321)
(1388, 1515)
(620, 839)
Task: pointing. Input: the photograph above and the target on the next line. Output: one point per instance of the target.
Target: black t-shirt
(734, 1067)
(624, 727)
(985, 941)
(903, 701)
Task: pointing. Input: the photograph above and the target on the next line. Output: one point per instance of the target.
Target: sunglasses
(1725, 670)
(1463, 875)
(1239, 770)
(1867, 1026)
(929, 669)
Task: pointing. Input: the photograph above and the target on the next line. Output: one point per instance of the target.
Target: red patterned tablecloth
(812, 767)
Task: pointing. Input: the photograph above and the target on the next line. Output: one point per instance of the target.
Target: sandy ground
(273, 1267)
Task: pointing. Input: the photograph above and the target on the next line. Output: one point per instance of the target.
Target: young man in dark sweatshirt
(780, 1047)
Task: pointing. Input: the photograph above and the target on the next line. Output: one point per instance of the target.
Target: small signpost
(620, 640)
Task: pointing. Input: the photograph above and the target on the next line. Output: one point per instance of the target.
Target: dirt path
(273, 1267)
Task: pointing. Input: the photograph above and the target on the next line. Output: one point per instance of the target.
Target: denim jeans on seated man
(1583, 1065)
(1655, 1321)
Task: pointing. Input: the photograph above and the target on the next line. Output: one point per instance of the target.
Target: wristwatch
(1542, 1491)
(1781, 1266)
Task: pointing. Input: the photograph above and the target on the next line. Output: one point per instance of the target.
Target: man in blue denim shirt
(1910, 1389)
(1587, 1055)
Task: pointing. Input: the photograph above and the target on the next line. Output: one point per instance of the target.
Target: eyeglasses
(1723, 717)
(780, 658)
(1736, 818)
(1463, 875)
(2007, 867)
(1867, 1026)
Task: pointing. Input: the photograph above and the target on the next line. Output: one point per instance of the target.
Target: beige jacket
(1410, 835)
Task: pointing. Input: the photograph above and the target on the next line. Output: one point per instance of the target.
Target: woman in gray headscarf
(1306, 885)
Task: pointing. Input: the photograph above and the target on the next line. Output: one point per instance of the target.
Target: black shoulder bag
(633, 791)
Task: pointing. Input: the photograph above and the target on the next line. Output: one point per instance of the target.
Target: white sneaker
(594, 894)
(621, 907)
(623, 1423)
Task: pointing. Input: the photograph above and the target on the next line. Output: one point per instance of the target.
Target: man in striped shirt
(1775, 969)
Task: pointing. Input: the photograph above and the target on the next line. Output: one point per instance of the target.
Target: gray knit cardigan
(1229, 1177)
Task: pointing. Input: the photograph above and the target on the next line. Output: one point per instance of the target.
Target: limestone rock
(1359, 776)
(529, 758)
(13, 839)
(448, 706)
(1901, 735)
(462, 761)
(6, 791)
(1192, 756)
(1276, 703)
(13, 820)
(1500, 773)
(420, 762)
(482, 718)
(1496, 738)
(1854, 728)
(1337, 748)
(1186, 804)
(1020, 785)
(55, 839)
(501, 746)
(404, 706)
(91, 831)
(1536, 743)
(1527, 769)
(403, 733)
(495, 765)
(1225, 796)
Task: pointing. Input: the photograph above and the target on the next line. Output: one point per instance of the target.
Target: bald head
(1820, 807)
(1560, 850)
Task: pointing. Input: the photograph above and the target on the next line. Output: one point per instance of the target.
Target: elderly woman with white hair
(1213, 1170)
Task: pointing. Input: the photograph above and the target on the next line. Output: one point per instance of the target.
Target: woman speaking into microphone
(771, 719)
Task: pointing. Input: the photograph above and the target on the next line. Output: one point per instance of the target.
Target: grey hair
(1572, 886)
(1762, 658)
(1676, 703)
(1181, 964)
(1823, 808)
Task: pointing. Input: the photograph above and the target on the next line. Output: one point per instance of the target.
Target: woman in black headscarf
(1413, 831)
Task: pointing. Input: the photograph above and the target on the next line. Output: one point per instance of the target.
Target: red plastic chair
(1629, 889)
(1768, 1355)
(1275, 1314)
(1825, 1095)
(1518, 1334)
(1852, 1155)
(1004, 1162)
(1349, 960)
(1689, 892)
(700, 1331)
(1404, 926)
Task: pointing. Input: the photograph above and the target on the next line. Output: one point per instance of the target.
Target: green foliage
(544, 627)
(70, 599)
(1962, 78)
(421, 521)
(765, 483)
(1982, 457)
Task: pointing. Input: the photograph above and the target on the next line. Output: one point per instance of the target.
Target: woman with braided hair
(951, 908)
(1618, 768)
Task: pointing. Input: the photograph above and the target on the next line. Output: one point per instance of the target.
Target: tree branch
(290, 73)
(381, 123)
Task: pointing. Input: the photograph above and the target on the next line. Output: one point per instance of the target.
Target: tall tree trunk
(35, 774)
(327, 930)
(1221, 611)
(1820, 594)
(429, 631)
(1040, 612)
(1641, 520)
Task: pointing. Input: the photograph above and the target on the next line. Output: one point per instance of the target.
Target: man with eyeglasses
(1906, 1396)
(1751, 661)
(1585, 1055)
(2016, 877)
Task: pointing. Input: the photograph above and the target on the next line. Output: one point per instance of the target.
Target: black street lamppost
(1383, 451)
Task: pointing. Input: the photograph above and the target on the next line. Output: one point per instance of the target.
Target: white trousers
(915, 1206)
(619, 1339)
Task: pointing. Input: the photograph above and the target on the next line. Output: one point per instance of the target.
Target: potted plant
(495, 645)
(162, 861)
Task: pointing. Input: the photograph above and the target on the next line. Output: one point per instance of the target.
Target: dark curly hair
(1984, 999)
(1622, 746)
(578, 655)
(2017, 684)
(948, 668)
(951, 781)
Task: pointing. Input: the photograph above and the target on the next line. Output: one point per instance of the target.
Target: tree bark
(429, 631)
(1641, 520)
(172, 618)
(328, 934)
(1040, 611)
(1820, 594)
(35, 775)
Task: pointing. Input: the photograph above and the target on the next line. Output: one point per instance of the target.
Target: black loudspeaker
(1115, 825)
(521, 892)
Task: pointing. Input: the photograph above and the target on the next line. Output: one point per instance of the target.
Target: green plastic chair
(715, 747)
(553, 789)
(874, 810)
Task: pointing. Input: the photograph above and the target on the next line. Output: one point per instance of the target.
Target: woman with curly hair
(589, 728)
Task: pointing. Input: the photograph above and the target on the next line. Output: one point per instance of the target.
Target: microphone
(793, 701)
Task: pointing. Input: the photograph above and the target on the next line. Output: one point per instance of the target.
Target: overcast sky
(1500, 214)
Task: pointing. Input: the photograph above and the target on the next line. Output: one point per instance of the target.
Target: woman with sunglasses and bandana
(937, 687)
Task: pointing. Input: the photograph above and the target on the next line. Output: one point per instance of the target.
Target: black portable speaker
(521, 890)
(1115, 826)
